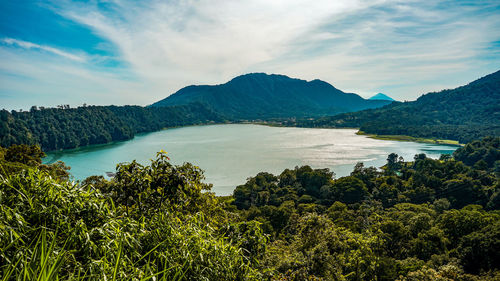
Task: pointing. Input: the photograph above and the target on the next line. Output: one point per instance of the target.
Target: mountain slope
(465, 113)
(381, 96)
(259, 96)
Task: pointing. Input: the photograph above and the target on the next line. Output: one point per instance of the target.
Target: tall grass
(60, 230)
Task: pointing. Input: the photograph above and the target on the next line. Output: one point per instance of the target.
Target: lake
(231, 153)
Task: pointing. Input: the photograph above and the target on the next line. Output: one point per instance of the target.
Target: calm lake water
(229, 154)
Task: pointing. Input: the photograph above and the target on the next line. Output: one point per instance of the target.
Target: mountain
(463, 114)
(261, 96)
(381, 96)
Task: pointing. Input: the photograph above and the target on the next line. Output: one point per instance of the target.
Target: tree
(149, 189)
(349, 190)
(393, 164)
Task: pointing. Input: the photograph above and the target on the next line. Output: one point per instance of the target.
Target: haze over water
(229, 154)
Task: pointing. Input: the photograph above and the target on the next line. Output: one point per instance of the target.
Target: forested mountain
(465, 113)
(422, 219)
(261, 96)
(64, 127)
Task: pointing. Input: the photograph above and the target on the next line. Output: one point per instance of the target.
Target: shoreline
(410, 139)
(268, 124)
(373, 136)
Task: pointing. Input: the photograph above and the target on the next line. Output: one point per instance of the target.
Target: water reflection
(230, 154)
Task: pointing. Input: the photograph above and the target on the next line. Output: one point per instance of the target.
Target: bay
(231, 153)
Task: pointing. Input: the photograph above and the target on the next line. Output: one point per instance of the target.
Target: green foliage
(44, 264)
(479, 251)
(65, 128)
(483, 154)
(248, 236)
(410, 220)
(17, 158)
(348, 190)
(463, 114)
(53, 229)
(421, 220)
(161, 185)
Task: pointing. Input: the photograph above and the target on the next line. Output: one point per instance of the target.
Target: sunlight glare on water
(229, 154)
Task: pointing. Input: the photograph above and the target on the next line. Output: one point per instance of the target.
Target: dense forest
(421, 219)
(65, 128)
(463, 114)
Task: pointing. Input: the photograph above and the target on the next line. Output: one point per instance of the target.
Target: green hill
(66, 128)
(463, 114)
(261, 96)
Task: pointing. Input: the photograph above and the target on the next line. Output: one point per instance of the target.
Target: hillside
(66, 128)
(261, 96)
(463, 114)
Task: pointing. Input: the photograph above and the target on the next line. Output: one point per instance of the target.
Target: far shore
(373, 136)
(263, 123)
(410, 138)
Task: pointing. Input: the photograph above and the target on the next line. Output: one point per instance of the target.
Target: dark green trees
(161, 185)
(65, 128)
(434, 219)
(463, 114)
(483, 154)
(421, 220)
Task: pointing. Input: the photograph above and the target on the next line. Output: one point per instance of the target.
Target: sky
(138, 52)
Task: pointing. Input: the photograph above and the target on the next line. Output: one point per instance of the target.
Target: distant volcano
(381, 96)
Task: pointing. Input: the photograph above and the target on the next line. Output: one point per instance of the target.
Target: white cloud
(31, 78)
(402, 48)
(30, 45)
(357, 45)
(173, 44)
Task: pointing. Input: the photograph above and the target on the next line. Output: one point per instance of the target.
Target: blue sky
(138, 52)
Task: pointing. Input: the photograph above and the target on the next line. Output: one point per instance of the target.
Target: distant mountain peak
(381, 96)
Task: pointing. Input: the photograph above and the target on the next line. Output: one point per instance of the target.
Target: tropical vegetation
(65, 128)
(463, 114)
(422, 219)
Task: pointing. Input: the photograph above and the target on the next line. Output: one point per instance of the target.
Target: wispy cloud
(402, 48)
(175, 43)
(30, 45)
(363, 46)
(405, 48)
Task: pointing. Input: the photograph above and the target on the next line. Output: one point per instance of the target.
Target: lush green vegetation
(64, 127)
(258, 96)
(462, 114)
(148, 223)
(423, 219)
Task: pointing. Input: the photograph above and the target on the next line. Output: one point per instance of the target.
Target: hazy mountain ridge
(260, 96)
(381, 96)
(464, 113)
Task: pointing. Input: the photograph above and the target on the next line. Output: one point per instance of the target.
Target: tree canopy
(463, 114)
(65, 127)
(424, 219)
